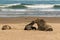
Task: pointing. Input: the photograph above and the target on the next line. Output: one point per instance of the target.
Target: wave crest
(7, 5)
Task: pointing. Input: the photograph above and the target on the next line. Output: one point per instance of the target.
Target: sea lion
(30, 26)
(42, 25)
(6, 27)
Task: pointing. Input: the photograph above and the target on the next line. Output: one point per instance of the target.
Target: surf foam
(40, 6)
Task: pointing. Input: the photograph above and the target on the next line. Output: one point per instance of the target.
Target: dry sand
(18, 24)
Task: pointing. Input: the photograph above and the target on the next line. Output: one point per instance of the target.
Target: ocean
(34, 8)
(29, 2)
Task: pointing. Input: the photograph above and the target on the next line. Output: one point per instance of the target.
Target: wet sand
(18, 24)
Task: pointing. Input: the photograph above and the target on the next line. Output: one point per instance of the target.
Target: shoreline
(28, 19)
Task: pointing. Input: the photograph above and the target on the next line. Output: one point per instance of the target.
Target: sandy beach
(18, 24)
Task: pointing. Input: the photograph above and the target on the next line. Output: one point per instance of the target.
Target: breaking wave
(6, 7)
(31, 6)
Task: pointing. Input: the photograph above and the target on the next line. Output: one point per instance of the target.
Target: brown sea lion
(42, 25)
(6, 27)
(30, 26)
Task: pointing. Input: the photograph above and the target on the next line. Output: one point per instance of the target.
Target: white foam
(40, 6)
(7, 5)
(50, 10)
(13, 9)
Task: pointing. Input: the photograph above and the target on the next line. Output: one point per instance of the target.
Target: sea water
(44, 10)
